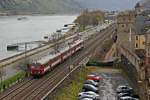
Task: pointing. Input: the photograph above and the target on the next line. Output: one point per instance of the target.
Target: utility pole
(70, 66)
(26, 62)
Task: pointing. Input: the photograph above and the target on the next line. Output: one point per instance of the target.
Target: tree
(90, 18)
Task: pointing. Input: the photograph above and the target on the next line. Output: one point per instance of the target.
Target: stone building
(147, 61)
(126, 29)
(147, 57)
(139, 42)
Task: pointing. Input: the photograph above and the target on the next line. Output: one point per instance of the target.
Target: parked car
(86, 99)
(93, 97)
(88, 93)
(89, 87)
(93, 77)
(96, 74)
(124, 89)
(91, 82)
(123, 95)
(127, 98)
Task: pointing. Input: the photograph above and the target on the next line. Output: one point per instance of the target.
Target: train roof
(45, 59)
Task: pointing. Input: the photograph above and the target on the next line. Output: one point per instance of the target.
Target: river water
(32, 28)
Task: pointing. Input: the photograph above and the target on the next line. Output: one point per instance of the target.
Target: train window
(35, 64)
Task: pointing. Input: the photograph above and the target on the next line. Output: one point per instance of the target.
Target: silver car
(91, 82)
(89, 87)
(127, 98)
(88, 93)
(88, 96)
(86, 99)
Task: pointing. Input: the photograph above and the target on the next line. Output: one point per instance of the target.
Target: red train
(40, 67)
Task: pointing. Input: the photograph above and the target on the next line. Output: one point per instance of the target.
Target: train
(45, 64)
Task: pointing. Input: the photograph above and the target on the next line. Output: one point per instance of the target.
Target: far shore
(39, 14)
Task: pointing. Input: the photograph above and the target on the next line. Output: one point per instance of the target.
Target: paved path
(110, 53)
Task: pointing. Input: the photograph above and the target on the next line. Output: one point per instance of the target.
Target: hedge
(11, 80)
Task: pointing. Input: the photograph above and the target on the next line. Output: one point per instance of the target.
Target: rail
(36, 50)
(28, 53)
(37, 93)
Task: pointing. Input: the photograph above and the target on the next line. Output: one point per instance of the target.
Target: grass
(70, 91)
(84, 28)
(6, 83)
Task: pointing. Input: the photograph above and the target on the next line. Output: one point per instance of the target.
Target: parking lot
(110, 79)
(108, 85)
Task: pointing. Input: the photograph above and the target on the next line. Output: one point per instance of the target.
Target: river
(32, 28)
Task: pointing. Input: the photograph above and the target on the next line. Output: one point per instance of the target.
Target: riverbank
(32, 29)
(59, 14)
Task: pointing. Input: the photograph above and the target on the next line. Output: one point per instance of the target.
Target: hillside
(39, 6)
(61, 6)
(108, 4)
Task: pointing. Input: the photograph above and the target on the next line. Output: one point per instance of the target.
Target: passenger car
(91, 82)
(93, 77)
(124, 89)
(88, 87)
(88, 93)
(127, 98)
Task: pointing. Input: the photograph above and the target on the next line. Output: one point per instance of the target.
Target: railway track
(34, 89)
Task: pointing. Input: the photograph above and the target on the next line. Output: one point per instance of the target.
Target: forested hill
(39, 6)
(62, 6)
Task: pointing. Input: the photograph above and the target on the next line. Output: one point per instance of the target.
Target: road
(111, 53)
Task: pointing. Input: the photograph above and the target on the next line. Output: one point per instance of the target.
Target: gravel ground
(108, 85)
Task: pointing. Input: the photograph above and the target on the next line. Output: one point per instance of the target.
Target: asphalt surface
(108, 84)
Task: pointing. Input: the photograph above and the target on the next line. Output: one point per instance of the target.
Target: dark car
(91, 82)
(89, 87)
(123, 94)
(124, 89)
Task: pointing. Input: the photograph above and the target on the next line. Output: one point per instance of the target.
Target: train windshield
(35, 65)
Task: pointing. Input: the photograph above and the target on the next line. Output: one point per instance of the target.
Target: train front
(36, 69)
